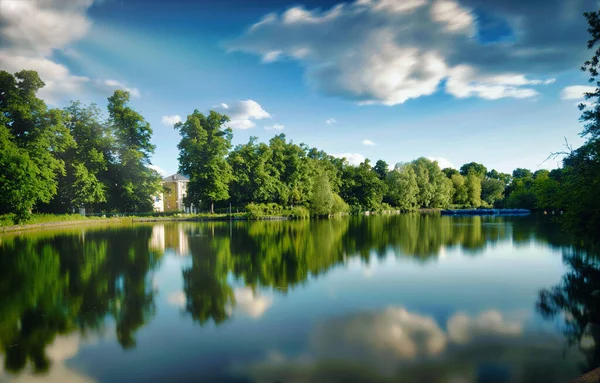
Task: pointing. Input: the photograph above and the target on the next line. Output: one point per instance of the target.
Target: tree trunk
(212, 208)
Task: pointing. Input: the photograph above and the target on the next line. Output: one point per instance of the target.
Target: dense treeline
(58, 160)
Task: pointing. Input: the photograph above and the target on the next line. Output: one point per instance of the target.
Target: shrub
(299, 212)
(259, 210)
(339, 205)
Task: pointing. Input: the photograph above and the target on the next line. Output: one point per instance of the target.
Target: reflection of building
(169, 237)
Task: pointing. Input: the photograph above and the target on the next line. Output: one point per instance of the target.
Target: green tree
(361, 186)
(31, 137)
(204, 144)
(402, 189)
(473, 167)
(491, 190)
(460, 192)
(473, 184)
(85, 180)
(253, 179)
(381, 169)
(322, 198)
(133, 182)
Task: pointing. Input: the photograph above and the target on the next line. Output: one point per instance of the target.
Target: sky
(490, 81)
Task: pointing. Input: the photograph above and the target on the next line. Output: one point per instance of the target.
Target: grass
(8, 219)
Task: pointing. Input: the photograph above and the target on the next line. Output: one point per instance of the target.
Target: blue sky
(490, 81)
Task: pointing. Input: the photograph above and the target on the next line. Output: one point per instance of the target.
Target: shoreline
(122, 220)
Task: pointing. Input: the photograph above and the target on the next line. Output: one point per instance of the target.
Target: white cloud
(112, 85)
(394, 333)
(275, 127)
(375, 344)
(330, 121)
(576, 92)
(170, 120)
(30, 31)
(442, 162)
(251, 303)
(387, 52)
(463, 329)
(243, 113)
(368, 143)
(177, 299)
(353, 158)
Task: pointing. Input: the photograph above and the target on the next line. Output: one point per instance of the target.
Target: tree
(133, 182)
(491, 190)
(435, 189)
(495, 175)
(381, 169)
(361, 186)
(460, 194)
(322, 198)
(473, 167)
(31, 137)
(85, 180)
(449, 172)
(204, 144)
(522, 173)
(402, 188)
(252, 170)
(473, 184)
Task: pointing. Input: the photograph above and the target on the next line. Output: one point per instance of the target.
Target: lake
(409, 298)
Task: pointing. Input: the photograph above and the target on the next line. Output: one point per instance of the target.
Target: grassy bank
(9, 219)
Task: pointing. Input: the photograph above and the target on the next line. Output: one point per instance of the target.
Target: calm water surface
(405, 298)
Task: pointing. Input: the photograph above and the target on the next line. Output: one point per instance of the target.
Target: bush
(299, 212)
(339, 205)
(356, 209)
(259, 210)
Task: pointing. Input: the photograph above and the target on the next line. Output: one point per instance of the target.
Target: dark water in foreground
(376, 299)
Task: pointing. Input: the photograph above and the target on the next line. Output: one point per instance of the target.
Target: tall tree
(473, 183)
(204, 144)
(322, 198)
(381, 169)
(473, 167)
(402, 189)
(85, 180)
(31, 137)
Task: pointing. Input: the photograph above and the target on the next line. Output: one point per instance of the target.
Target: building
(157, 201)
(175, 191)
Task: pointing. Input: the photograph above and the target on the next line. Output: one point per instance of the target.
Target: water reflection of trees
(575, 303)
(58, 282)
(53, 283)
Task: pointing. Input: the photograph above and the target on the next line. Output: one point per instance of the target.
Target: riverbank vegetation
(59, 160)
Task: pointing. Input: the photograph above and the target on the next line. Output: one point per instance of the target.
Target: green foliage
(133, 183)
(473, 184)
(321, 199)
(435, 189)
(460, 194)
(491, 190)
(473, 167)
(299, 212)
(402, 188)
(381, 169)
(361, 186)
(256, 211)
(202, 150)
(31, 137)
(339, 205)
